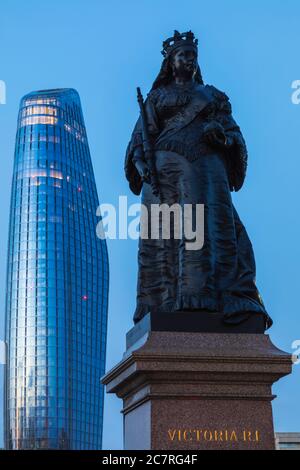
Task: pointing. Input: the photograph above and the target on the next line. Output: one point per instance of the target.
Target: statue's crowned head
(180, 54)
(179, 40)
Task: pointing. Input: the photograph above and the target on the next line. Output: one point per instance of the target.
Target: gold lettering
(219, 436)
(247, 435)
(185, 435)
(233, 436)
(251, 436)
(172, 434)
(209, 433)
(213, 435)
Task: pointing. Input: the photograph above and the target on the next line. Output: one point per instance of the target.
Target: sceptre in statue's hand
(149, 171)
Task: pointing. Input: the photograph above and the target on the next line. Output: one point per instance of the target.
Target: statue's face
(184, 62)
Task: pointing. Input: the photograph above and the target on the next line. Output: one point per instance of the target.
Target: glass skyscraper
(57, 282)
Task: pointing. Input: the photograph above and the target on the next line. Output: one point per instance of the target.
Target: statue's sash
(189, 113)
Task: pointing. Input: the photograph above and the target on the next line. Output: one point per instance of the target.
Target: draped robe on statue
(220, 277)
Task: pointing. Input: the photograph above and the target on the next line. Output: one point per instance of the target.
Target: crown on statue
(178, 40)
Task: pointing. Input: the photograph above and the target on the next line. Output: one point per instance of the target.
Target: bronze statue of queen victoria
(199, 157)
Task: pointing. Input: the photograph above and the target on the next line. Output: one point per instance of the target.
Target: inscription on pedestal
(199, 391)
(213, 435)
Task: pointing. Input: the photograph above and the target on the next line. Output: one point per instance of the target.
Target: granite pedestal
(195, 390)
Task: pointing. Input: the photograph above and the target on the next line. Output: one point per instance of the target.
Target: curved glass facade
(57, 282)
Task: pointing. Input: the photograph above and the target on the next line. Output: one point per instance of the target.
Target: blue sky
(105, 49)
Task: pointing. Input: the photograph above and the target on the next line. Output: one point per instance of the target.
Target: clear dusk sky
(104, 49)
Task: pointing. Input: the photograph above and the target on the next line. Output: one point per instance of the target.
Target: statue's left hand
(214, 134)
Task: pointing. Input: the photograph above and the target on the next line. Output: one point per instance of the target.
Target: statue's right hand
(143, 170)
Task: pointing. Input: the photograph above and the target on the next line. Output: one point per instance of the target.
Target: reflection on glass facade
(57, 282)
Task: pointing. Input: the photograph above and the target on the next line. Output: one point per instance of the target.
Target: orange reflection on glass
(32, 120)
